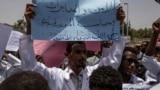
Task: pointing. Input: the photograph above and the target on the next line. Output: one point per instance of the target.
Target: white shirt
(10, 67)
(152, 65)
(3, 73)
(59, 79)
(156, 87)
(150, 77)
(136, 80)
(76, 79)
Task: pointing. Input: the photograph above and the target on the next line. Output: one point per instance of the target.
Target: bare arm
(29, 14)
(148, 60)
(156, 30)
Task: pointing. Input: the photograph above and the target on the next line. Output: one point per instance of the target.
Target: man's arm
(112, 55)
(148, 59)
(26, 53)
(29, 14)
(120, 15)
(115, 55)
(152, 45)
(26, 44)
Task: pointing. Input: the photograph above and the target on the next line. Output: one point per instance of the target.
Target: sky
(141, 13)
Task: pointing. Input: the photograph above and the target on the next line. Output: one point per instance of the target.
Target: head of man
(158, 56)
(129, 60)
(140, 70)
(25, 80)
(105, 78)
(76, 53)
(144, 45)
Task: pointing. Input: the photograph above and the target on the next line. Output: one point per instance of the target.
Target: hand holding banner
(76, 20)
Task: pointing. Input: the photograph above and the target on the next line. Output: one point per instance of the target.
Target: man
(76, 75)
(143, 46)
(105, 78)
(140, 70)
(128, 65)
(149, 60)
(9, 65)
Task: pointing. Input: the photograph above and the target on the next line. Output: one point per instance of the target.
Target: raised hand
(40, 59)
(156, 26)
(120, 14)
(29, 14)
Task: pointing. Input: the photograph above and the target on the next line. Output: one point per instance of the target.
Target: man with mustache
(76, 74)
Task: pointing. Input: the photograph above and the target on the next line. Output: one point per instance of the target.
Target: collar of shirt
(76, 79)
(70, 71)
(136, 80)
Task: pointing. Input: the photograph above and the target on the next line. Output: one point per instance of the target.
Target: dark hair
(147, 42)
(71, 43)
(105, 77)
(131, 49)
(25, 80)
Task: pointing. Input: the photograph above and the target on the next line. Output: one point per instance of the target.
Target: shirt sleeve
(13, 60)
(151, 64)
(113, 58)
(53, 75)
(26, 53)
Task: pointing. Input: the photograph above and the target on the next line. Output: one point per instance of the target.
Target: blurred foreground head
(25, 80)
(105, 78)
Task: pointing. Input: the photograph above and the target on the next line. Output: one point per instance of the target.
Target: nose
(132, 64)
(83, 55)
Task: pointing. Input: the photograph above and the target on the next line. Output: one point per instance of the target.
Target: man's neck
(75, 69)
(126, 78)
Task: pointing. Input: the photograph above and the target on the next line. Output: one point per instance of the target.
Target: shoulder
(137, 80)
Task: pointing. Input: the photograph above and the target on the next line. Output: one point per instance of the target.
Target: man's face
(78, 55)
(143, 47)
(128, 63)
(158, 57)
(140, 69)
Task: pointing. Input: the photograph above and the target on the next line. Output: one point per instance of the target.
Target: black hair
(105, 77)
(71, 43)
(25, 80)
(131, 49)
(147, 42)
(144, 48)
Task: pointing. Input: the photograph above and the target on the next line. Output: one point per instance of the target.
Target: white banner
(13, 42)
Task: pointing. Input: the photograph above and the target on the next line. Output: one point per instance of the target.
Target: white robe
(59, 79)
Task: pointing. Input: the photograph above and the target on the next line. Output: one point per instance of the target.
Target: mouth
(129, 70)
(82, 61)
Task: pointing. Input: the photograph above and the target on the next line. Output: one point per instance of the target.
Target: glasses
(130, 61)
(138, 65)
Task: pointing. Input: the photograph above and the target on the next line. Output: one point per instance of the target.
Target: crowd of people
(116, 67)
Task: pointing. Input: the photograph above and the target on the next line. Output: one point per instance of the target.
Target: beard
(81, 63)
